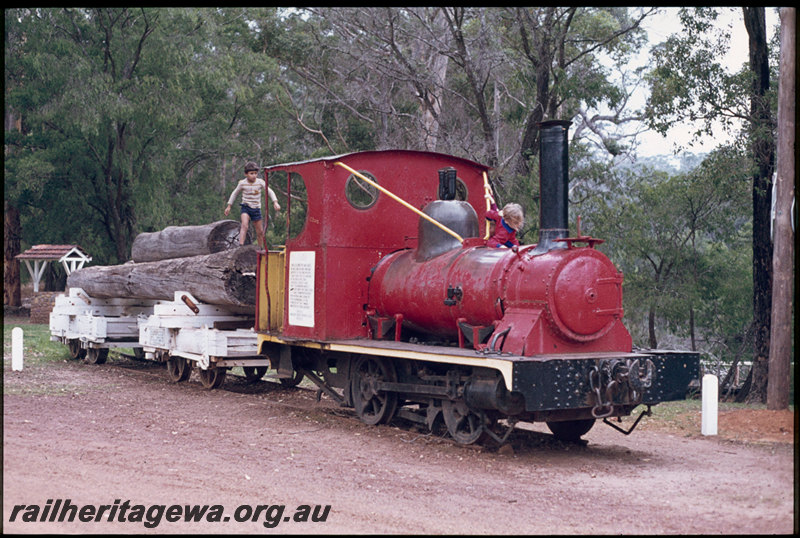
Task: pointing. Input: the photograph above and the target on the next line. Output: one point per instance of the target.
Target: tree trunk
(223, 278)
(475, 81)
(651, 327)
(780, 347)
(12, 292)
(436, 65)
(184, 241)
(763, 149)
(730, 377)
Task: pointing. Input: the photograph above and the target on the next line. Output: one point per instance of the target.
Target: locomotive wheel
(178, 369)
(373, 406)
(76, 352)
(570, 430)
(96, 355)
(212, 378)
(463, 425)
(293, 381)
(254, 373)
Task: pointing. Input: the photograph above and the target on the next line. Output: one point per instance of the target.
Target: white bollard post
(16, 349)
(710, 405)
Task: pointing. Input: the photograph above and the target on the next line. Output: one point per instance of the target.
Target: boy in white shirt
(251, 188)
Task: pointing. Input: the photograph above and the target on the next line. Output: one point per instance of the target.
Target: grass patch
(38, 352)
(37, 349)
(671, 410)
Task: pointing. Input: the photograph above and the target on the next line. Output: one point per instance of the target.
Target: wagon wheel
(96, 355)
(178, 369)
(570, 430)
(212, 378)
(254, 373)
(463, 424)
(76, 352)
(293, 381)
(372, 405)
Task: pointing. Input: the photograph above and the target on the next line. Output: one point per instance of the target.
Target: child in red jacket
(508, 223)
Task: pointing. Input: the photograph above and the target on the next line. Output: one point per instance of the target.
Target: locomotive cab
(348, 227)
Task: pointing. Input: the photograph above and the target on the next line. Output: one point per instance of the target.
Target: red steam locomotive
(389, 300)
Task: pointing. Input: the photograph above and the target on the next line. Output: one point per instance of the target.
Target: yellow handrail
(487, 190)
(401, 201)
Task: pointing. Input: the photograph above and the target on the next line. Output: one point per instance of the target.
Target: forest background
(120, 121)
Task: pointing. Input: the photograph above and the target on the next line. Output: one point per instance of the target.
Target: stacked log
(226, 277)
(185, 241)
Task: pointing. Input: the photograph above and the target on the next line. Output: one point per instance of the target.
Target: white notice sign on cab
(301, 288)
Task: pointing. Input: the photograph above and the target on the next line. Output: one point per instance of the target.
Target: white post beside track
(16, 349)
(710, 404)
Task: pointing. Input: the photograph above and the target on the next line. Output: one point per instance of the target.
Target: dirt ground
(106, 434)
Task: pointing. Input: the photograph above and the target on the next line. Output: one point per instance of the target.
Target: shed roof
(51, 252)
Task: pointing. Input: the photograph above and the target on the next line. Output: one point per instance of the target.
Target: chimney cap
(548, 123)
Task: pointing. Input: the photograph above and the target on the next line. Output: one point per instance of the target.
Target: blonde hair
(512, 213)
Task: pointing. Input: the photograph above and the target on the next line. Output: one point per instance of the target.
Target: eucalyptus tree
(678, 238)
(127, 116)
(465, 80)
(688, 82)
(235, 117)
(379, 67)
(566, 56)
(100, 94)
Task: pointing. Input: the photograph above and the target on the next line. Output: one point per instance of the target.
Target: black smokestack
(553, 183)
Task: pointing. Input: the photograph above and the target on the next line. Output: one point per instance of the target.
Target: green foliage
(682, 243)
(127, 114)
(688, 81)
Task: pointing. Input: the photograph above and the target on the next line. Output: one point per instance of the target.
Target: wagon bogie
(75, 350)
(96, 355)
(90, 326)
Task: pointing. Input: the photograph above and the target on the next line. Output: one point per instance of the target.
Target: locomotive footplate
(555, 387)
(608, 383)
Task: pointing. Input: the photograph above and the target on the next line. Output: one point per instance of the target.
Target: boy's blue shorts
(254, 212)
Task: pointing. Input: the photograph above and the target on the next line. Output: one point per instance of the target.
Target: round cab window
(361, 194)
(461, 190)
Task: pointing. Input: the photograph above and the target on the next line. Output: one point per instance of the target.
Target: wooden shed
(72, 257)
